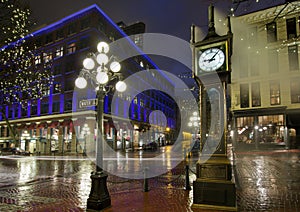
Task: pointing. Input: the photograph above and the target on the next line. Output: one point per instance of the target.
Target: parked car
(13, 151)
(150, 146)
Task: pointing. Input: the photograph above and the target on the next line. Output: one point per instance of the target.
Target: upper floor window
(59, 52)
(273, 61)
(72, 28)
(44, 108)
(49, 38)
(274, 93)
(56, 88)
(295, 91)
(244, 95)
(57, 69)
(71, 48)
(252, 36)
(47, 57)
(68, 105)
(37, 59)
(255, 94)
(83, 42)
(243, 61)
(60, 34)
(85, 23)
(56, 107)
(271, 32)
(291, 28)
(293, 57)
(254, 64)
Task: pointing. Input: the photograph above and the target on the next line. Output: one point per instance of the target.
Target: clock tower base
(213, 188)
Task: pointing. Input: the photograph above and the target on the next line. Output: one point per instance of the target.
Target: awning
(42, 125)
(32, 126)
(79, 122)
(53, 124)
(66, 123)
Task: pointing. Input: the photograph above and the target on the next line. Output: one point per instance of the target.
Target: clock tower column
(213, 188)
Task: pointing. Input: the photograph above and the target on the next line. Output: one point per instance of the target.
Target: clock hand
(213, 57)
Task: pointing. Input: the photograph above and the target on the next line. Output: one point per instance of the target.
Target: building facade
(265, 89)
(56, 123)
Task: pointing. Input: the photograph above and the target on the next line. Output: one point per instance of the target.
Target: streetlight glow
(103, 47)
(80, 82)
(102, 77)
(121, 86)
(102, 59)
(115, 66)
(88, 63)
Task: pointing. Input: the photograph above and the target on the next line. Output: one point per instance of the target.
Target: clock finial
(211, 21)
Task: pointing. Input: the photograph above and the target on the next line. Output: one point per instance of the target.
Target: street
(265, 181)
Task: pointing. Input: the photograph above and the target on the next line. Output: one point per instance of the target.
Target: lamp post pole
(95, 69)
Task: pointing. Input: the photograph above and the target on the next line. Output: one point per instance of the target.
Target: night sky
(172, 17)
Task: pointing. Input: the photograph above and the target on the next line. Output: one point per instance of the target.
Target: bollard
(146, 186)
(187, 180)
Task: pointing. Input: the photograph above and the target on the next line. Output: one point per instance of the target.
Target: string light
(16, 58)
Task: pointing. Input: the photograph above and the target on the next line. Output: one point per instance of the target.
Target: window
(243, 65)
(72, 28)
(49, 38)
(252, 36)
(271, 32)
(293, 57)
(59, 52)
(71, 48)
(60, 34)
(255, 94)
(37, 60)
(83, 43)
(295, 90)
(254, 64)
(244, 95)
(45, 108)
(84, 24)
(24, 111)
(69, 82)
(56, 88)
(273, 61)
(291, 28)
(56, 106)
(274, 93)
(70, 66)
(33, 111)
(57, 69)
(47, 57)
(68, 105)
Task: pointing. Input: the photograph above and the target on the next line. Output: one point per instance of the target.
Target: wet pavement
(265, 181)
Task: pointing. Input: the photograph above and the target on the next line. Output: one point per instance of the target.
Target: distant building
(265, 88)
(48, 124)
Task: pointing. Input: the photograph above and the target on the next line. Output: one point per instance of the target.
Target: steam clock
(213, 188)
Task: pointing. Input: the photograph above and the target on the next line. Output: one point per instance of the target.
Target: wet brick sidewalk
(266, 181)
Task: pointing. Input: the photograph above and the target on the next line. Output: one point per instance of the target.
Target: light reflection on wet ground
(267, 181)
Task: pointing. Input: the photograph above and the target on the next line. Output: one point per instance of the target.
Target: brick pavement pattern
(266, 181)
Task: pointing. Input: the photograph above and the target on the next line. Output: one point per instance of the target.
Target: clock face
(211, 59)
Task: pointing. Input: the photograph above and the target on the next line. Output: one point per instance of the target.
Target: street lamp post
(95, 69)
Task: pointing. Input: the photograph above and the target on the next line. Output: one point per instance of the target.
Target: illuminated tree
(21, 82)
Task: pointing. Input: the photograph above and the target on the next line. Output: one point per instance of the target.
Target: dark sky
(173, 17)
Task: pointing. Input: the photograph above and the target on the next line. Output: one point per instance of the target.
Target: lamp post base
(99, 197)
